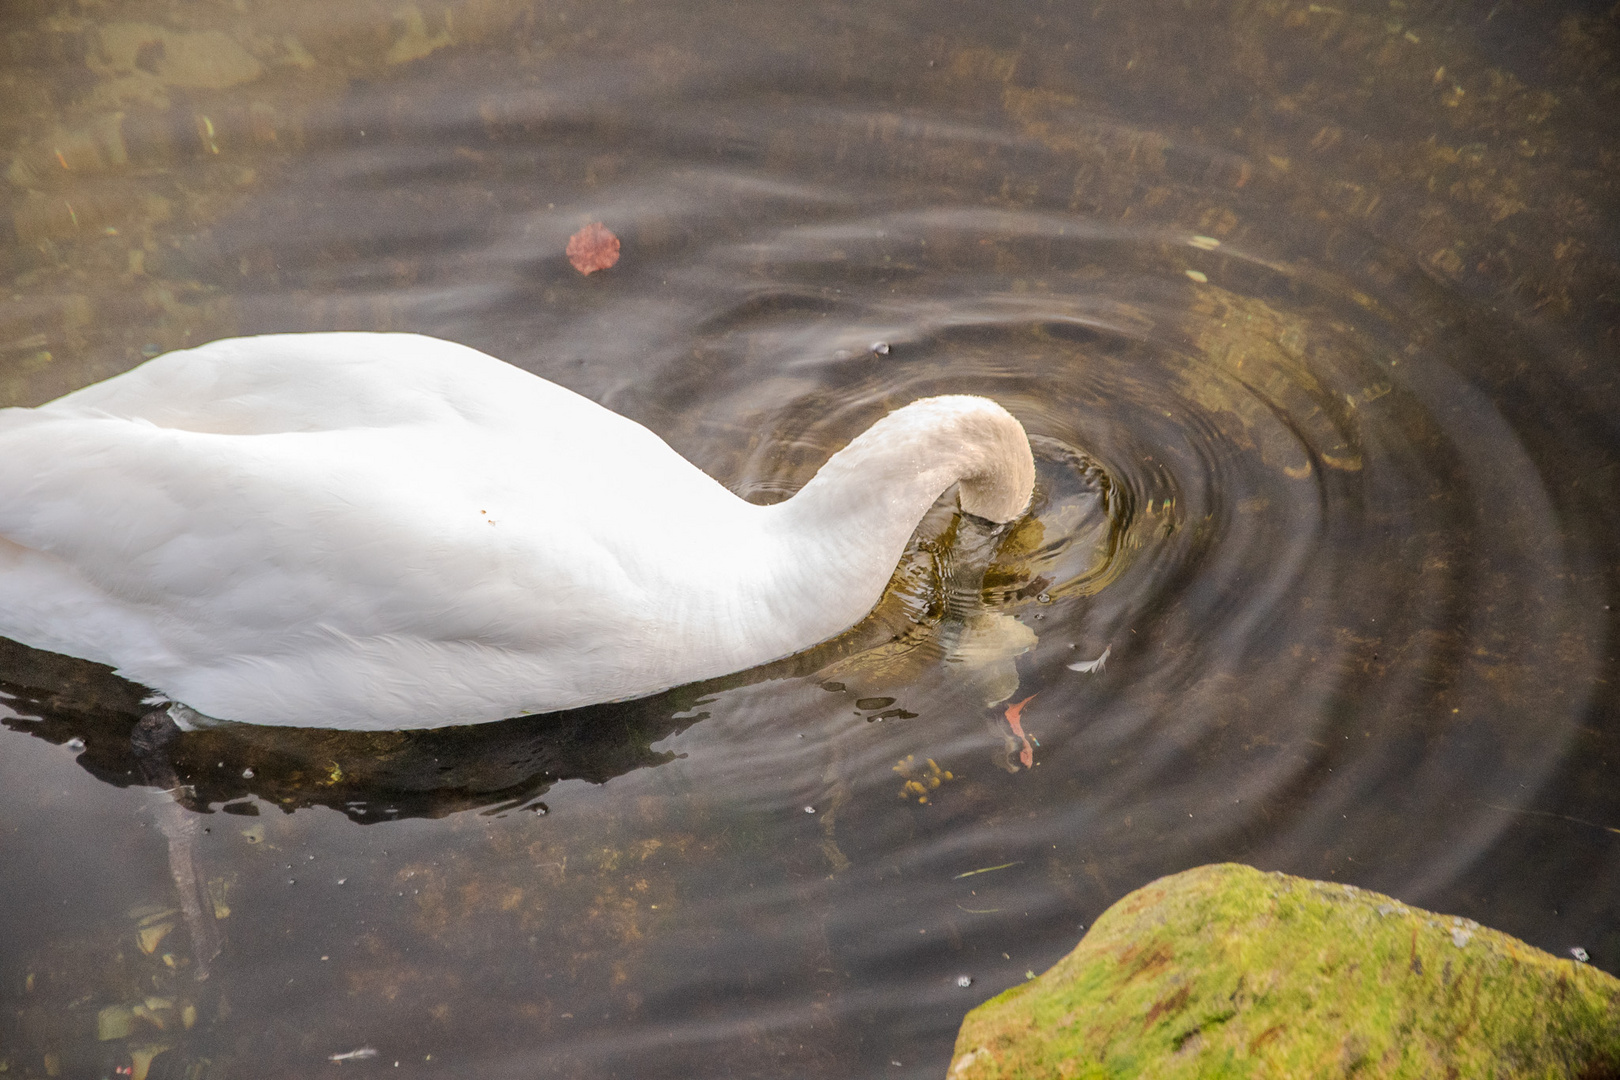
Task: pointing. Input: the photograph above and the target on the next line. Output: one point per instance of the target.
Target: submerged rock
(1227, 971)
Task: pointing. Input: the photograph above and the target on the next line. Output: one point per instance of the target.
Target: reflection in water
(151, 741)
(1309, 312)
(368, 776)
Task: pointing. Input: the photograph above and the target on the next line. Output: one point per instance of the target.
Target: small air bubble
(964, 981)
(247, 774)
(75, 743)
(881, 348)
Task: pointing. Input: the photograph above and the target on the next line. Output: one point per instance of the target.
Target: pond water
(1310, 309)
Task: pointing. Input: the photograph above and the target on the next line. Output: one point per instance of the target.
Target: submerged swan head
(387, 531)
(964, 440)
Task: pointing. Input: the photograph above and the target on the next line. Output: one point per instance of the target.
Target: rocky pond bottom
(1225, 971)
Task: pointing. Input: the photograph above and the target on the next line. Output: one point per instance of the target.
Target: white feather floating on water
(1091, 667)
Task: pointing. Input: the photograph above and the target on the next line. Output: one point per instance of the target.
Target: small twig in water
(987, 869)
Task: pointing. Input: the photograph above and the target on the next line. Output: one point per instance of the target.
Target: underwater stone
(202, 59)
(1225, 970)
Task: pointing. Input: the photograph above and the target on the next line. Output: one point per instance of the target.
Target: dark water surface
(1311, 310)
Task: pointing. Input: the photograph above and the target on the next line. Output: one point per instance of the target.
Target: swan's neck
(839, 539)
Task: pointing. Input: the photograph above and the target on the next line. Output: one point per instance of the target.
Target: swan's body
(386, 531)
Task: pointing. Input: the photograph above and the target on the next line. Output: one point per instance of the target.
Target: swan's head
(978, 441)
(891, 473)
(843, 532)
(999, 489)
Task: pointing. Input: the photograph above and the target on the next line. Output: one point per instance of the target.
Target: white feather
(1091, 667)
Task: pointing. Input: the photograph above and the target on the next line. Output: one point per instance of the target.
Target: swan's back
(322, 382)
(335, 509)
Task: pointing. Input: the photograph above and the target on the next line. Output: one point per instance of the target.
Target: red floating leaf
(593, 248)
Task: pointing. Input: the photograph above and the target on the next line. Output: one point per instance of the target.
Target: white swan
(384, 531)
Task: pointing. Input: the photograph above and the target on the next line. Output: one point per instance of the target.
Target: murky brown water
(1312, 310)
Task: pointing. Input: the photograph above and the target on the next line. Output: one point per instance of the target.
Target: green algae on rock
(1225, 971)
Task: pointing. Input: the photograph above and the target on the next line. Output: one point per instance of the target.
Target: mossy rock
(1225, 971)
